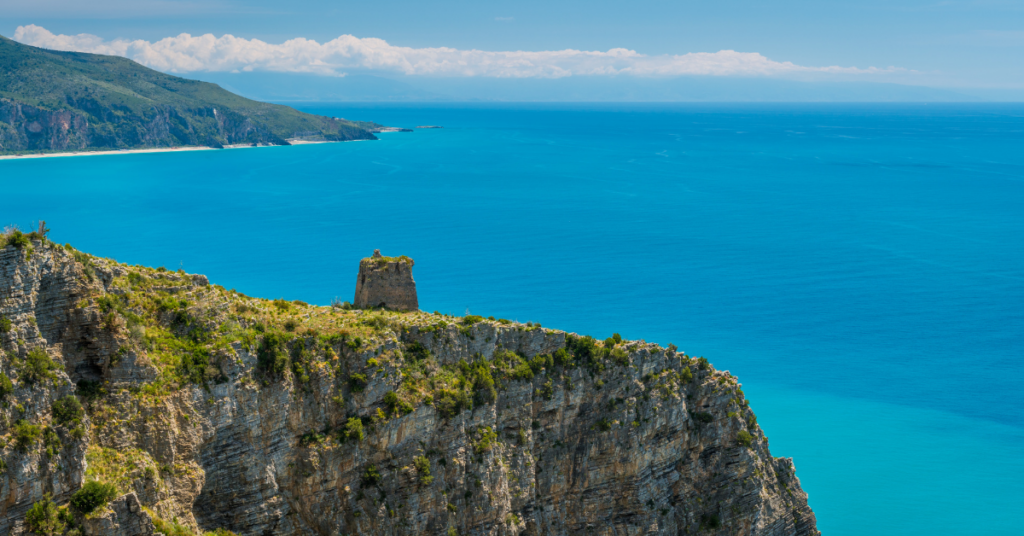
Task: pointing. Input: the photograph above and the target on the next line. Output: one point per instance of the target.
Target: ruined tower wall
(386, 282)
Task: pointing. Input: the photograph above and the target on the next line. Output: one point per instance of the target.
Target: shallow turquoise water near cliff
(860, 268)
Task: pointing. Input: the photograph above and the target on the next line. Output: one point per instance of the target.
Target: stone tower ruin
(386, 282)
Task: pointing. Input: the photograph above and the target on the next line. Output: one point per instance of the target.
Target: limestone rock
(649, 442)
(386, 282)
(124, 517)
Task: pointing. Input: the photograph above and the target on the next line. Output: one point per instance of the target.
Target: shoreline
(153, 150)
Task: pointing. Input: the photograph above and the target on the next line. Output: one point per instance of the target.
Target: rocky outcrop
(386, 282)
(124, 517)
(579, 438)
(26, 128)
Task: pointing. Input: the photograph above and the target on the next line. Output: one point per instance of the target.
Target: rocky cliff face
(28, 128)
(386, 282)
(212, 410)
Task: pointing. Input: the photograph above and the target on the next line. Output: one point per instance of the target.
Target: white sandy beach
(153, 150)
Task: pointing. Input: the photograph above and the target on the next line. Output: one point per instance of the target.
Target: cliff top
(180, 322)
(187, 398)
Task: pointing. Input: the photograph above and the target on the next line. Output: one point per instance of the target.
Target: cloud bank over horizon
(186, 53)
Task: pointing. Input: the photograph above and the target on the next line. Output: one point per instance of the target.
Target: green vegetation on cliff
(61, 101)
(194, 404)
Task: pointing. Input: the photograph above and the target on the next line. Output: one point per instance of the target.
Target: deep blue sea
(859, 267)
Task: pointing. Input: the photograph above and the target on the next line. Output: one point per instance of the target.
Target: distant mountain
(62, 101)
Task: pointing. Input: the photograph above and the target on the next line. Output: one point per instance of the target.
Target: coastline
(152, 150)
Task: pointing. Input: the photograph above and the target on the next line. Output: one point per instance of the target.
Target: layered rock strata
(227, 412)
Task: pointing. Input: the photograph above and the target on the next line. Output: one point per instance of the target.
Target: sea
(859, 267)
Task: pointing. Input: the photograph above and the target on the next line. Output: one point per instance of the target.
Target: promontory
(138, 401)
(52, 101)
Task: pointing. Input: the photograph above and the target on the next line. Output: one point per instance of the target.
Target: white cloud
(186, 53)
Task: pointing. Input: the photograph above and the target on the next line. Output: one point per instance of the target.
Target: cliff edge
(203, 409)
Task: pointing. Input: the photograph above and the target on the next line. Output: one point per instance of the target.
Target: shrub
(469, 320)
(604, 425)
(609, 342)
(620, 357)
(483, 384)
(422, 465)
(703, 364)
(685, 375)
(523, 371)
(357, 382)
(171, 528)
(5, 324)
(26, 435)
(617, 338)
(17, 239)
(450, 403)
(67, 410)
(371, 476)
(290, 325)
(377, 322)
(93, 495)
(541, 361)
(271, 358)
(38, 366)
(547, 390)
(44, 518)
(391, 400)
(416, 351)
(193, 364)
(704, 417)
(744, 438)
(353, 429)
(89, 390)
(562, 358)
(486, 440)
(6, 386)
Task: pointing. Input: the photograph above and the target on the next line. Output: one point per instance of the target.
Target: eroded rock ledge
(222, 411)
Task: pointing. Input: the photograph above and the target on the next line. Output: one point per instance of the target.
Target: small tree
(6, 386)
(44, 518)
(68, 410)
(93, 495)
(38, 366)
(422, 465)
(354, 429)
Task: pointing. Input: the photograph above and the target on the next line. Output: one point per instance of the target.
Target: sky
(966, 46)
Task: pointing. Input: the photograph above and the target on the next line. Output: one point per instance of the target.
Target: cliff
(204, 409)
(64, 101)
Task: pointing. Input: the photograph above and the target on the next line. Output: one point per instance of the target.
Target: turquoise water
(860, 268)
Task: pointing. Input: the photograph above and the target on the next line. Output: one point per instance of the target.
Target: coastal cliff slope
(209, 410)
(72, 101)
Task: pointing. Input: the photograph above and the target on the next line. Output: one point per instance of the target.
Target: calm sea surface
(860, 268)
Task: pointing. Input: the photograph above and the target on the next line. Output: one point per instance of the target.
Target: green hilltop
(64, 101)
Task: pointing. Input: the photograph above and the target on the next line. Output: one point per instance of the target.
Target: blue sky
(954, 44)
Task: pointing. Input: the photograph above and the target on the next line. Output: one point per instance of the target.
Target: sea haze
(859, 267)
